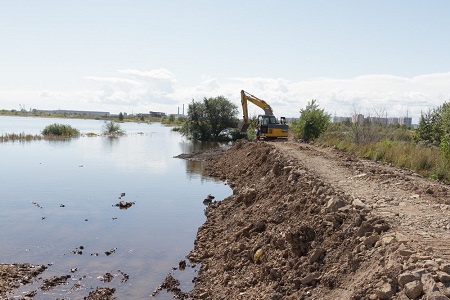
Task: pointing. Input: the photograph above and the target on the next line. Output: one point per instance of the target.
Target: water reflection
(196, 168)
(87, 175)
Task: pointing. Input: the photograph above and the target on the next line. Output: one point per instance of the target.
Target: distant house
(157, 114)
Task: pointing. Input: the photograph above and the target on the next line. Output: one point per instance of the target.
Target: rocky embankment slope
(311, 223)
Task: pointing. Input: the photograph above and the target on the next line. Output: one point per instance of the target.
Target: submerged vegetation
(60, 130)
(112, 128)
(19, 137)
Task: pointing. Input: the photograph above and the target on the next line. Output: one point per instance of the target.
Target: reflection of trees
(197, 169)
(110, 141)
(192, 146)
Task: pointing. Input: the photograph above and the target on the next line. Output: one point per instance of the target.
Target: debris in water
(125, 276)
(108, 253)
(37, 204)
(124, 204)
(108, 277)
(182, 265)
(171, 285)
(208, 199)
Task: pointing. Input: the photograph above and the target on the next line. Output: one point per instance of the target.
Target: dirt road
(413, 206)
(315, 223)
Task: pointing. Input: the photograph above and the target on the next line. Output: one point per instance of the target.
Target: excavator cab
(271, 128)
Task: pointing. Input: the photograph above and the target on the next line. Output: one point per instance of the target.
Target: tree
(429, 129)
(445, 130)
(434, 128)
(120, 116)
(205, 120)
(312, 122)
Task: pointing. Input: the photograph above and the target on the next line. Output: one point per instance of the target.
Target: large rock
(444, 277)
(317, 253)
(334, 204)
(413, 289)
(358, 204)
(435, 296)
(407, 277)
(385, 291)
(446, 268)
(310, 278)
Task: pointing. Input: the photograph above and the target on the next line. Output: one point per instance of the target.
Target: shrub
(112, 128)
(60, 130)
(312, 122)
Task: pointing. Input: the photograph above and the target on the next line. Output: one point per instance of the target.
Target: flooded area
(57, 206)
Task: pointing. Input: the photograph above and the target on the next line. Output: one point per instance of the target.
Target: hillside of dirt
(315, 223)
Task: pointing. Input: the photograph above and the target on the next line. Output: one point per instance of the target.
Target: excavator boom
(269, 126)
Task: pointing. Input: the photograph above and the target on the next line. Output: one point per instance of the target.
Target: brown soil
(101, 294)
(14, 275)
(315, 223)
(206, 155)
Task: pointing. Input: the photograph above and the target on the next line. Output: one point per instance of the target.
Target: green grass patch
(395, 147)
(60, 130)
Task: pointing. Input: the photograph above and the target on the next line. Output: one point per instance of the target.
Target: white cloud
(141, 91)
(115, 80)
(153, 74)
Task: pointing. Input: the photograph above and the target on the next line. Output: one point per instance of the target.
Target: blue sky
(370, 57)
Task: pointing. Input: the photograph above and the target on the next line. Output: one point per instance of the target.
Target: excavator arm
(245, 97)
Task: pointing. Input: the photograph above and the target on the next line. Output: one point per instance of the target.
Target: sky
(379, 58)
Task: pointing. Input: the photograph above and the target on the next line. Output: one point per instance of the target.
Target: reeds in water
(19, 137)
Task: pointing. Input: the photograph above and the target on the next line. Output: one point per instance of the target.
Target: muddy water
(74, 185)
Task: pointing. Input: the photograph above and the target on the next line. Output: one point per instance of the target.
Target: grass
(19, 137)
(399, 150)
(60, 130)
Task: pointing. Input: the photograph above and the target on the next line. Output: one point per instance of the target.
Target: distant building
(407, 121)
(178, 115)
(157, 114)
(377, 120)
(358, 118)
(392, 121)
(340, 119)
(74, 112)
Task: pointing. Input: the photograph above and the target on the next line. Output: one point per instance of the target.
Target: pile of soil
(309, 223)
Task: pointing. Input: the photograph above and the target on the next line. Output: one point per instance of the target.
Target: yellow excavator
(269, 126)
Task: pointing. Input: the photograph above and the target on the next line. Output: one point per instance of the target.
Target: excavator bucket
(243, 127)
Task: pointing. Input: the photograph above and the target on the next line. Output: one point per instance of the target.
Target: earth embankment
(311, 223)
